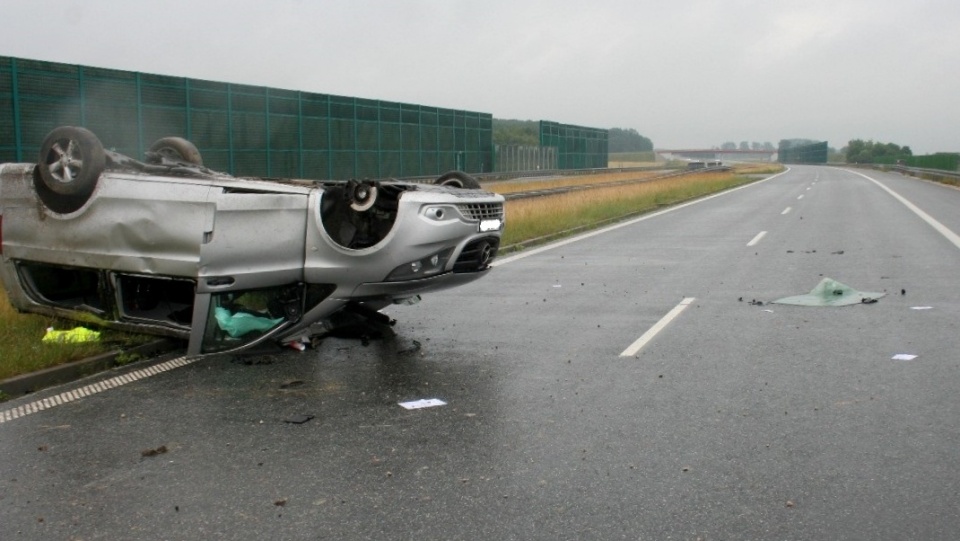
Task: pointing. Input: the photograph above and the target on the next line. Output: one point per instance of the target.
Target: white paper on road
(903, 357)
(422, 403)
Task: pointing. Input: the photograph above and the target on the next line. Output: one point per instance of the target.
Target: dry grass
(562, 182)
(546, 217)
(758, 168)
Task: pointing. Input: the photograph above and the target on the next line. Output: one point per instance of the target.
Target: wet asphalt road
(737, 421)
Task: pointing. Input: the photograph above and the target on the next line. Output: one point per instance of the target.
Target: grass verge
(22, 350)
(548, 217)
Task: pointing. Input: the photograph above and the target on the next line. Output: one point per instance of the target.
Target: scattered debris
(838, 252)
(154, 452)
(299, 344)
(755, 302)
(903, 291)
(293, 383)
(790, 504)
(830, 292)
(252, 361)
(298, 419)
(412, 349)
(74, 335)
(281, 502)
(903, 357)
(422, 403)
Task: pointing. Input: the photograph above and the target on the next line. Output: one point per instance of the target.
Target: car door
(250, 273)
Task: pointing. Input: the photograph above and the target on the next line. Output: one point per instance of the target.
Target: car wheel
(458, 179)
(71, 160)
(178, 149)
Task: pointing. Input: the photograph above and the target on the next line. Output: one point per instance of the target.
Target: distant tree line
(859, 151)
(516, 132)
(627, 140)
(744, 145)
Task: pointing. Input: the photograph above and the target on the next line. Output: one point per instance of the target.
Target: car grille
(477, 255)
(481, 211)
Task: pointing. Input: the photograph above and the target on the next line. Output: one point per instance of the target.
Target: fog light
(422, 268)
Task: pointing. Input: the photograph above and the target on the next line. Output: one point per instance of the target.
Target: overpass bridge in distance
(718, 154)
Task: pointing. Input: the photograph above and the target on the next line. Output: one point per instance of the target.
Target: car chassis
(167, 246)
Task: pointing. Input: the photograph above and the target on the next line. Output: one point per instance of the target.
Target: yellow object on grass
(74, 335)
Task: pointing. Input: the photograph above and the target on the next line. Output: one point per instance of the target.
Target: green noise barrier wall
(240, 129)
(578, 147)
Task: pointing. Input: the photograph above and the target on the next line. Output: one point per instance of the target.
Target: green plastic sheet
(830, 292)
(241, 323)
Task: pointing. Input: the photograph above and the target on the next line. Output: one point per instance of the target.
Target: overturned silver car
(166, 246)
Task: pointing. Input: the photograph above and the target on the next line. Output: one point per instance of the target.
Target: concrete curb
(28, 383)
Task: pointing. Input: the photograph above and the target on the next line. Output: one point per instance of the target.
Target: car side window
(237, 318)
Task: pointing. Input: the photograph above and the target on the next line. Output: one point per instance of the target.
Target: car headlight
(421, 268)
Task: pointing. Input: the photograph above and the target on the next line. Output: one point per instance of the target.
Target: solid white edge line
(756, 239)
(527, 253)
(939, 227)
(653, 331)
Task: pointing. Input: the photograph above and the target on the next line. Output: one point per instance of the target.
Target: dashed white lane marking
(800, 197)
(653, 331)
(527, 253)
(91, 389)
(756, 239)
(786, 211)
(942, 229)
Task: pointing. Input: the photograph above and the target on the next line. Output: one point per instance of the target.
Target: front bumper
(410, 288)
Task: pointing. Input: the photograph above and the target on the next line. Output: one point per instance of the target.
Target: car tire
(178, 149)
(458, 179)
(71, 160)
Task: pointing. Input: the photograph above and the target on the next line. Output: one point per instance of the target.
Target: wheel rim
(364, 197)
(65, 160)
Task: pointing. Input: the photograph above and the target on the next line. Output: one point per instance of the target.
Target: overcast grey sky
(686, 73)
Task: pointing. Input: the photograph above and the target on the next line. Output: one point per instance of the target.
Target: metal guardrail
(927, 173)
